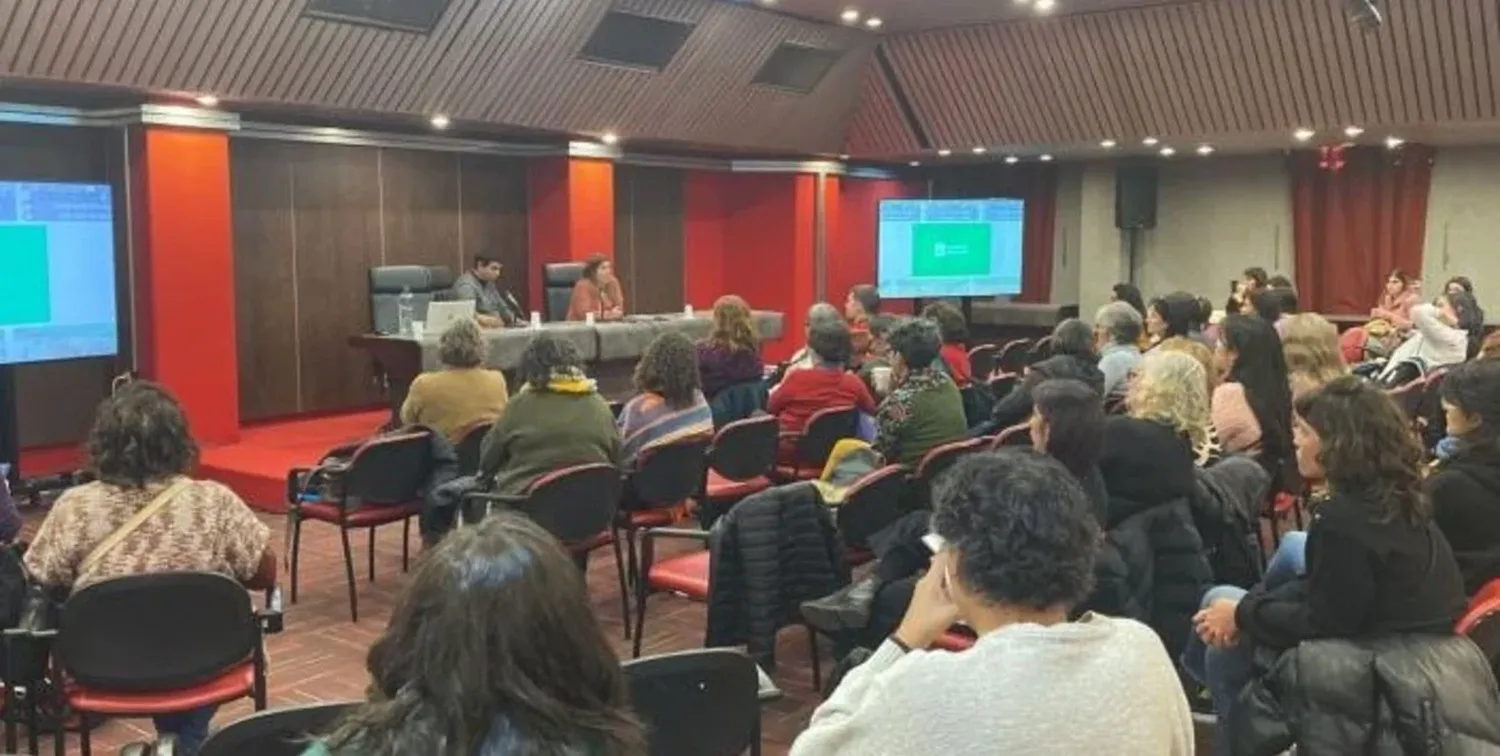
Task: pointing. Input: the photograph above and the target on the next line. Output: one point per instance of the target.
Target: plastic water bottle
(406, 309)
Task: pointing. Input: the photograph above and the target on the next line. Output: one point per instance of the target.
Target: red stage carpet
(256, 466)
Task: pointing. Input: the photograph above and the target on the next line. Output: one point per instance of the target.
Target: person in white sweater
(1441, 333)
(1017, 550)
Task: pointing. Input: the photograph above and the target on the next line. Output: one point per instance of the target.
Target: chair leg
(640, 619)
(812, 648)
(406, 545)
(296, 525)
(371, 557)
(85, 745)
(349, 574)
(632, 562)
(624, 586)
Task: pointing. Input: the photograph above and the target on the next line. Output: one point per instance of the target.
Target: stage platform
(256, 466)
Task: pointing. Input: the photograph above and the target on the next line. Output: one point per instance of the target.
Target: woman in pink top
(597, 292)
(1396, 301)
(1252, 409)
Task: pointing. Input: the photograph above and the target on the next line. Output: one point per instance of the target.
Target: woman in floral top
(925, 409)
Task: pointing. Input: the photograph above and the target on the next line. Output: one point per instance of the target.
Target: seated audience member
(1117, 335)
(876, 370)
(1072, 357)
(1251, 281)
(1172, 315)
(557, 419)
(1396, 301)
(1310, 345)
(463, 394)
(1199, 352)
(1018, 555)
(142, 451)
(1465, 487)
(862, 303)
(494, 307)
(1129, 294)
(731, 354)
(1208, 327)
(1441, 335)
(493, 648)
(1455, 285)
(820, 313)
(10, 516)
(1274, 305)
(1279, 281)
(597, 291)
(955, 333)
(670, 405)
(1489, 348)
(826, 382)
(1375, 564)
(924, 408)
(1170, 389)
(1067, 424)
(1252, 408)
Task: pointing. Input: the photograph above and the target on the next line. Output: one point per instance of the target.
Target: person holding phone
(1017, 553)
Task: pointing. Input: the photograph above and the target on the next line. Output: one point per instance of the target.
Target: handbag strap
(131, 525)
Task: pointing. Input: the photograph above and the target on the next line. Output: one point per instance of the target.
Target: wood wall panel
(55, 401)
(419, 201)
(649, 237)
(265, 278)
(494, 217)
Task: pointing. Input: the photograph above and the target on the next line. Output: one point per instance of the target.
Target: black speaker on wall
(1135, 197)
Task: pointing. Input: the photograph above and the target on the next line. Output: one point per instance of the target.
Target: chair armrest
(476, 505)
(270, 617)
(692, 534)
(295, 478)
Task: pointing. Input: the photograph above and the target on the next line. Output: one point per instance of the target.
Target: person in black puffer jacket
(1153, 567)
(1465, 489)
(1072, 357)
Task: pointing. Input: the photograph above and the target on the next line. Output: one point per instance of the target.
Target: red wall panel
(572, 214)
(704, 237)
(851, 246)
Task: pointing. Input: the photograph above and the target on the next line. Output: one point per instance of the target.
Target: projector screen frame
(963, 296)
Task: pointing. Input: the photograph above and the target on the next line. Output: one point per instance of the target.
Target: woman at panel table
(597, 292)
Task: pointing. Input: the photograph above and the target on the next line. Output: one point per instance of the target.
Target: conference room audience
(1131, 295)
(825, 383)
(1374, 561)
(1018, 553)
(670, 403)
(1072, 357)
(876, 369)
(924, 409)
(731, 353)
(955, 333)
(1465, 487)
(861, 304)
(1310, 346)
(492, 648)
(142, 453)
(1442, 335)
(1252, 408)
(463, 394)
(557, 419)
(1117, 335)
(597, 291)
(1396, 300)
(1171, 389)
(494, 306)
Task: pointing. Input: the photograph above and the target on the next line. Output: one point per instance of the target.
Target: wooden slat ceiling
(906, 15)
(1188, 71)
(509, 62)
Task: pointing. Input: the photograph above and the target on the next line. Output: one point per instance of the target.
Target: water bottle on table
(406, 309)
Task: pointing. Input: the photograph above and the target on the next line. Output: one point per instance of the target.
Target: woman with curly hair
(464, 393)
(493, 648)
(731, 353)
(1372, 563)
(670, 405)
(1171, 388)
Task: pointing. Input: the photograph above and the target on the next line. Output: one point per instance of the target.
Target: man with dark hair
(494, 307)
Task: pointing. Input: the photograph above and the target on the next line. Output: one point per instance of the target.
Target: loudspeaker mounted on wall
(1135, 197)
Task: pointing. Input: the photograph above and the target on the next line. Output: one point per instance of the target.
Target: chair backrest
(390, 469)
(278, 732)
(575, 502)
(1012, 356)
(982, 360)
(872, 503)
(156, 632)
(1481, 623)
(703, 702)
(1040, 351)
(825, 428)
(557, 288)
(667, 474)
(940, 458)
(469, 447)
(1015, 435)
(745, 449)
(426, 283)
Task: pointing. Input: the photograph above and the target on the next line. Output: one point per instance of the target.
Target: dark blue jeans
(189, 727)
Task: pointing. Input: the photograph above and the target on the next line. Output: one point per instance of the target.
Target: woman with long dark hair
(492, 649)
(1444, 332)
(1129, 294)
(1068, 425)
(1252, 408)
(1465, 488)
(1175, 314)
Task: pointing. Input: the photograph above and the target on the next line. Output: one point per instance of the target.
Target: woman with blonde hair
(1197, 351)
(731, 353)
(1171, 388)
(1311, 346)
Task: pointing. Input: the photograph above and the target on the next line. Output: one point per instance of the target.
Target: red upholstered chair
(379, 485)
(982, 361)
(824, 429)
(935, 462)
(160, 643)
(1481, 623)
(1012, 356)
(740, 462)
(872, 503)
(1015, 435)
(1039, 351)
(660, 490)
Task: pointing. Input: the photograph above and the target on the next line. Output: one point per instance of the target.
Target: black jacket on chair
(1465, 493)
(771, 552)
(1397, 695)
(1152, 567)
(1226, 509)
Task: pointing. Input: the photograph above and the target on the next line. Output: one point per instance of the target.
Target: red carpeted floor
(256, 467)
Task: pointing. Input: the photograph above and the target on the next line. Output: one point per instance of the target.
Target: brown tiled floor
(320, 656)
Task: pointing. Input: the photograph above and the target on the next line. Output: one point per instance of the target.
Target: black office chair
(279, 732)
(557, 288)
(427, 283)
(469, 448)
(697, 703)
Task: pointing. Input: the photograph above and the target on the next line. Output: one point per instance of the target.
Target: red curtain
(1352, 224)
(1040, 193)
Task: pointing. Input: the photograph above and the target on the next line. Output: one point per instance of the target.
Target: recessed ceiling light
(207, 101)
(440, 121)
(767, 2)
(1353, 131)
(1205, 149)
(980, 150)
(1045, 6)
(849, 15)
(844, 156)
(1302, 135)
(1012, 160)
(609, 137)
(873, 22)
(1108, 144)
(1150, 141)
(1392, 142)
(1168, 152)
(1045, 158)
(914, 163)
(1023, 2)
(945, 152)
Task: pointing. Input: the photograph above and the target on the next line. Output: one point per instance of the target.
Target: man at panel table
(494, 307)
